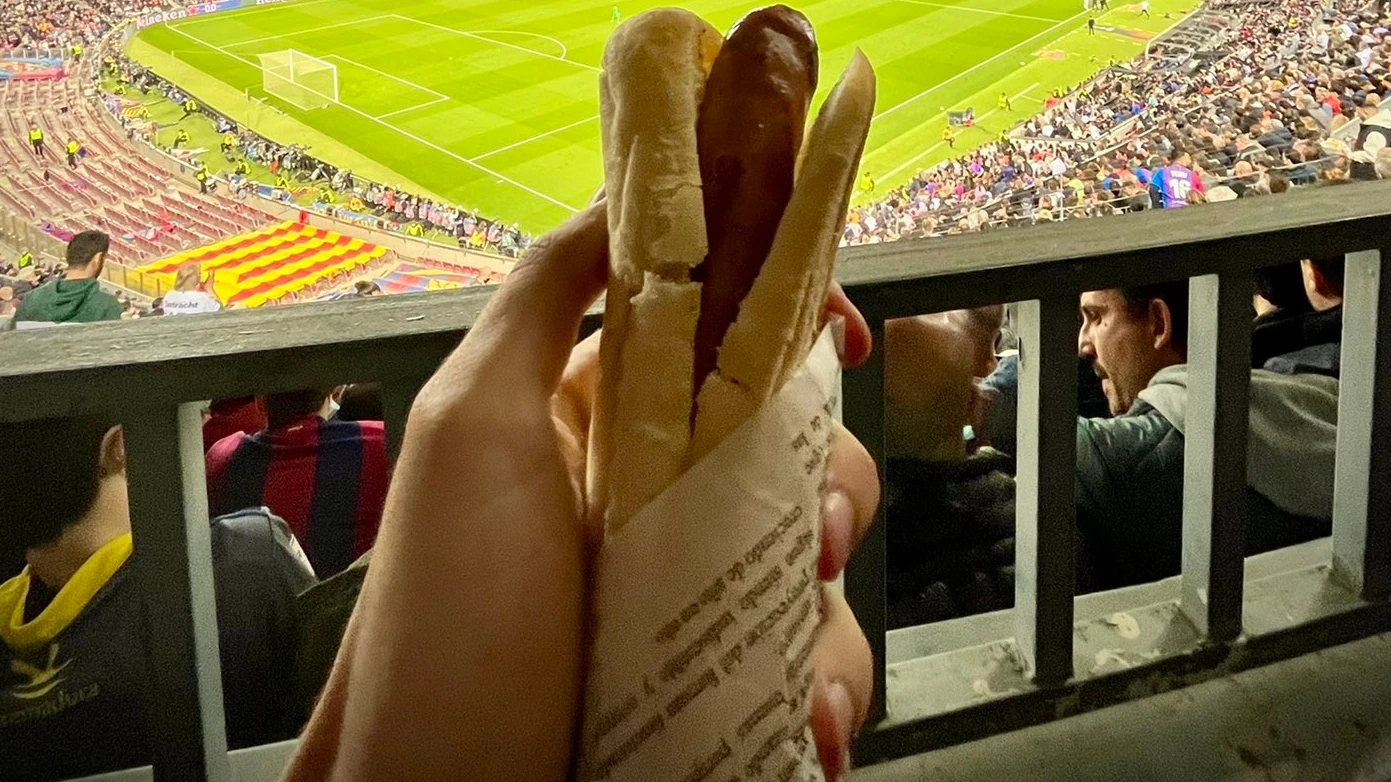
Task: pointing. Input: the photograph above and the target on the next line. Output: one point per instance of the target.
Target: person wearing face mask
(1129, 487)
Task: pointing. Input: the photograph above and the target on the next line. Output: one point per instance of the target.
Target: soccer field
(494, 105)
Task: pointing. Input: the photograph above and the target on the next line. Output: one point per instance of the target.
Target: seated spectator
(226, 417)
(190, 296)
(327, 478)
(77, 296)
(73, 669)
(1281, 305)
(1129, 489)
(1314, 343)
(1130, 468)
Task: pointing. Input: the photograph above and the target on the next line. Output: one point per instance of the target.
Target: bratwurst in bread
(723, 227)
(748, 136)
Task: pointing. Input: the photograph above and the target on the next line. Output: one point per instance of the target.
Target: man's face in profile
(1120, 344)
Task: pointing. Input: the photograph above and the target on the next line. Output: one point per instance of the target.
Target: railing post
(1045, 506)
(1214, 455)
(866, 585)
(173, 567)
(397, 397)
(1362, 480)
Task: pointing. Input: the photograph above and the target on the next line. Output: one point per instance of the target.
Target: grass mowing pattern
(493, 105)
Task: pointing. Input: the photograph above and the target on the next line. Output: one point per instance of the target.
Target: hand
(464, 657)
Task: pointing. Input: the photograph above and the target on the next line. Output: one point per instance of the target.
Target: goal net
(298, 79)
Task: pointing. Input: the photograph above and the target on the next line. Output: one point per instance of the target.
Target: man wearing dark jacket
(1317, 344)
(77, 296)
(1130, 467)
(74, 675)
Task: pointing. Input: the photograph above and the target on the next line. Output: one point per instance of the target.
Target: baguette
(723, 228)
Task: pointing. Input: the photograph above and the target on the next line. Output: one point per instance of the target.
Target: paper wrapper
(705, 605)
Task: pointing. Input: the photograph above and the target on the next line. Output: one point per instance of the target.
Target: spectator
(1314, 343)
(189, 296)
(77, 297)
(1130, 468)
(1280, 304)
(327, 478)
(73, 665)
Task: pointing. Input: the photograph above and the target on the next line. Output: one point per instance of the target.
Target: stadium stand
(110, 189)
(279, 261)
(1255, 96)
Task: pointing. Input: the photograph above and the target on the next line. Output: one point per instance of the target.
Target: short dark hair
(1283, 286)
(1331, 268)
(60, 461)
(1173, 294)
(286, 407)
(85, 246)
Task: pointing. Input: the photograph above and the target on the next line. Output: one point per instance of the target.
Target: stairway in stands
(115, 187)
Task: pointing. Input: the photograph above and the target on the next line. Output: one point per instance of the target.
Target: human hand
(465, 656)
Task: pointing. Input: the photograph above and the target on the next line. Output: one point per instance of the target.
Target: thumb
(522, 341)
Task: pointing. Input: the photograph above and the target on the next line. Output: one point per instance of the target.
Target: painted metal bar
(397, 398)
(865, 574)
(1045, 508)
(1214, 464)
(173, 568)
(1362, 482)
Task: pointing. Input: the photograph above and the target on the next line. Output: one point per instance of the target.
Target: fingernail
(843, 712)
(837, 523)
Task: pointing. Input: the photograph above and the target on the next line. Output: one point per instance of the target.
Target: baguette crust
(654, 75)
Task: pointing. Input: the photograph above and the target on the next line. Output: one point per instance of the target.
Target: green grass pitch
(493, 105)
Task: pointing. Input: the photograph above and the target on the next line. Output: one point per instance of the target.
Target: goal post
(300, 80)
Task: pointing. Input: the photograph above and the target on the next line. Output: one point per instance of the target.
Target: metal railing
(155, 374)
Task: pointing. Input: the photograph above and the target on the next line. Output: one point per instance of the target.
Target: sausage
(748, 134)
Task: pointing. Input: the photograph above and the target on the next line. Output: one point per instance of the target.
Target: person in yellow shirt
(415, 229)
(949, 137)
(190, 108)
(327, 196)
(202, 176)
(181, 138)
(26, 259)
(36, 138)
(478, 240)
(1003, 102)
(229, 142)
(74, 149)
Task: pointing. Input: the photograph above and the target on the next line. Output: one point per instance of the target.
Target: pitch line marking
(978, 66)
(504, 44)
(434, 102)
(537, 137)
(432, 145)
(980, 10)
(309, 31)
(406, 82)
(930, 149)
(564, 50)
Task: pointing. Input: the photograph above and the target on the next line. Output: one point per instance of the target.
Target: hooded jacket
(1130, 473)
(67, 301)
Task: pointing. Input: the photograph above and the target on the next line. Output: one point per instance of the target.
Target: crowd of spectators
(44, 24)
(1267, 115)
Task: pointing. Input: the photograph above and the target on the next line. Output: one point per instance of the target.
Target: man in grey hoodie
(1130, 467)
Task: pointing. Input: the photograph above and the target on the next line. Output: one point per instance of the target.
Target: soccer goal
(298, 79)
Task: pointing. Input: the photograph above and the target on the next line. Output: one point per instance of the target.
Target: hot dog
(721, 247)
(748, 137)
